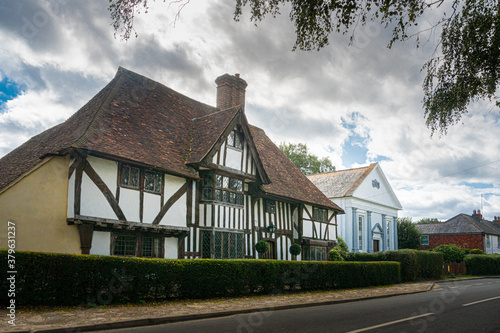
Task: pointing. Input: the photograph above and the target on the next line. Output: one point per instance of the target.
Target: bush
(451, 253)
(69, 280)
(473, 251)
(262, 246)
(485, 264)
(341, 246)
(414, 264)
(335, 255)
(295, 249)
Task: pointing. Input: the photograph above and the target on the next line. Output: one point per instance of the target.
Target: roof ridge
(98, 114)
(361, 178)
(352, 169)
(215, 113)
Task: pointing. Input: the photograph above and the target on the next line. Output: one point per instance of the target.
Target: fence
(455, 268)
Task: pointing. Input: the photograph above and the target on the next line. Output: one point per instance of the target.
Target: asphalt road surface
(460, 306)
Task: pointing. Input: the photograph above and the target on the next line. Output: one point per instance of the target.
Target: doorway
(376, 244)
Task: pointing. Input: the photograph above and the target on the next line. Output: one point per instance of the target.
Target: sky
(355, 104)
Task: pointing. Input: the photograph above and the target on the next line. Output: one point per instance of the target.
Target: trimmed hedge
(451, 253)
(482, 264)
(66, 279)
(414, 264)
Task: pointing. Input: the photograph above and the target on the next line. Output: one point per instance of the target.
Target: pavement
(122, 316)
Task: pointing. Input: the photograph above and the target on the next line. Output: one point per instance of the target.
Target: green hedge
(65, 279)
(482, 264)
(414, 264)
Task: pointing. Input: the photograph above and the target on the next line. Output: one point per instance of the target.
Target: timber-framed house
(141, 170)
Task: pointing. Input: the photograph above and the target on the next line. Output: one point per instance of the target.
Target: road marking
(390, 323)
(481, 301)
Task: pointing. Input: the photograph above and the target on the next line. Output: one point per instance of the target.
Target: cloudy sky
(355, 104)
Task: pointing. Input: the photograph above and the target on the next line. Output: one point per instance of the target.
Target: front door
(375, 245)
(269, 254)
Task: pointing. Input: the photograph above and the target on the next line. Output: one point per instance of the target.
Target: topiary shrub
(335, 255)
(451, 253)
(295, 249)
(342, 246)
(262, 246)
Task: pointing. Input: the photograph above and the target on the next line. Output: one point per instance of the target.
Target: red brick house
(465, 231)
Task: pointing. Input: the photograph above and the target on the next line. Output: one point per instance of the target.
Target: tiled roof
(460, 224)
(286, 179)
(139, 120)
(341, 183)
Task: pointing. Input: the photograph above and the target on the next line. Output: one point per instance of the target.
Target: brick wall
(463, 241)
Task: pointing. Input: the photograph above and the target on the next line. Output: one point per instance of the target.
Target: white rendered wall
(101, 243)
(171, 250)
(130, 203)
(152, 206)
(176, 215)
(71, 195)
(233, 158)
(93, 202)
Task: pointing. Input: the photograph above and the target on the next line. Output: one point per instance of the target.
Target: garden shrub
(295, 249)
(473, 251)
(482, 264)
(262, 246)
(414, 264)
(72, 280)
(335, 255)
(451, 253)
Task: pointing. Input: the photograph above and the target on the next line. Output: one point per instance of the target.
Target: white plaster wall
(129, 203)
(71, 195)
(307, 228)
(171, 251)
(382, 195)
(152, 206)
(233, 158)
(176, 215)
(107, 170)
(93, 202)
(101, 243)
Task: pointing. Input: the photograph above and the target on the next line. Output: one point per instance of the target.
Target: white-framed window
(360, 232)
(498, 242)
(488, 243)
(424, 240)
(388, 235)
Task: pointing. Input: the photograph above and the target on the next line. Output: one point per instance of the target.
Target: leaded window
(152, 181)
(270, 206)
(131, 176)
(234, 140)
(222, 245)
(125, 245)
(224, 189)
(320, 214)
(318, 253)
(137, 245)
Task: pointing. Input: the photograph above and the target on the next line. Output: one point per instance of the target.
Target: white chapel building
(371, 207)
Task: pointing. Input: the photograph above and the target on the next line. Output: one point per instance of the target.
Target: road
(460, 306)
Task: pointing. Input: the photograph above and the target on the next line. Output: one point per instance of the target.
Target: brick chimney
(496, 219)
(230, 91)
(477, 215)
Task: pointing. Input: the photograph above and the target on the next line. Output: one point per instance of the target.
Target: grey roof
(342, 183)
(460, 224)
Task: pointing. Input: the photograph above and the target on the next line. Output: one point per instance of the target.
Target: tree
(307, 163)
(427, 220)
(467, 69)
(408, 234)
